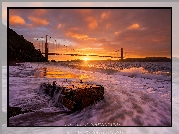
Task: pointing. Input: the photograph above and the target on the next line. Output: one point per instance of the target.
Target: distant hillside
(21, 50)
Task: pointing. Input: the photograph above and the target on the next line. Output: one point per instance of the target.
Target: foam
(129, 99)
(141, 72)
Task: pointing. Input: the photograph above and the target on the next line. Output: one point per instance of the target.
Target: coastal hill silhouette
(21, 50)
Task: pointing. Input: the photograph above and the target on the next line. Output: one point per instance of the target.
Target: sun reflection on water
(57, 73)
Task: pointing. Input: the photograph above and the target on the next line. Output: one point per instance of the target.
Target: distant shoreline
(173, 59)
(17, 63)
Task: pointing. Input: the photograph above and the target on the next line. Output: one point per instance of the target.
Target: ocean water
(136, 94)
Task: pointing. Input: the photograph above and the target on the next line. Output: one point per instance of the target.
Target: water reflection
(51, 72)
(45, 71)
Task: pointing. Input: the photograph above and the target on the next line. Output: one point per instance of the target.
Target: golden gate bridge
(47, 53)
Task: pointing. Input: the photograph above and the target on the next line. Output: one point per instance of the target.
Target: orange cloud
(93, 25)
(59, 26)
(160, 39)
(105, 15)
(134, 26)
(79, 36)
(84, 11)
(92, 22)
(116, 33)
(16, 20)
(108, 25)
(38, 21)
(74, 28)
(40, 11)
(155, 40)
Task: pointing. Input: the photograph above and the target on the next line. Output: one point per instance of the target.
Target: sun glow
(86, 59)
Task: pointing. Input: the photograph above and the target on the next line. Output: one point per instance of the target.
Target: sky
(140, 32)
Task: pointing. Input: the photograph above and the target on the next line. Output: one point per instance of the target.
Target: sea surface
(136, 93)
(124, 82)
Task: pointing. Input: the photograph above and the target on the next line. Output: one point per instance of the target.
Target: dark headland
(21, 50)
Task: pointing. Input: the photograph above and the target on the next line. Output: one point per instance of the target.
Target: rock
(75, 97)
(13, 111)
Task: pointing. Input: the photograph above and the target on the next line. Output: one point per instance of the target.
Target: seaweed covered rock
(74, 97)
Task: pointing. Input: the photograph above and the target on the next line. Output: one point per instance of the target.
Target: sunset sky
(140, 32)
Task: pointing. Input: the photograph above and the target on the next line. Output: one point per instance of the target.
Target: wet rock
(13, 111)
(75, 97)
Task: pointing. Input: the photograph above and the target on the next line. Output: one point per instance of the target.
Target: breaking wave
(141, 72)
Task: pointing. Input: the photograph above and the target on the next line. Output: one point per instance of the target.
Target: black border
(78, 8)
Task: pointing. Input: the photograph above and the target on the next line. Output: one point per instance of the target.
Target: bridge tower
(121, 54)
(46, 49)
